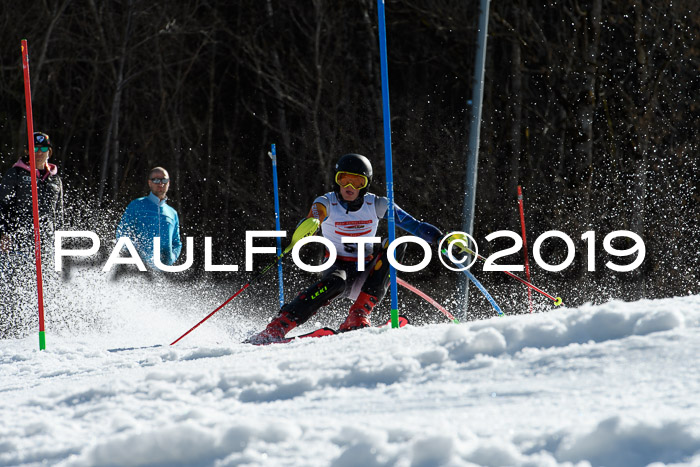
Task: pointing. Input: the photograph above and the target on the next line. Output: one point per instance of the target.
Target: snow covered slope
(616, 384)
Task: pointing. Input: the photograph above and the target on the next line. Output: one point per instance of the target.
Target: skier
(348, 211)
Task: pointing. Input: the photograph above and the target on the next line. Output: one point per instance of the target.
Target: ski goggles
(345, 179)
(159, 181)
(42, 148)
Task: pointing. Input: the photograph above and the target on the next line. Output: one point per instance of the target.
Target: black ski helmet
(356, 164)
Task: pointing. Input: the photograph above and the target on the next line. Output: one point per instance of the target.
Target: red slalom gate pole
(527, 261)
(35, 204)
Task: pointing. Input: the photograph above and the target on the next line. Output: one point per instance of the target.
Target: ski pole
(481, 288)
(427, 298)
(306, 228)
(557, 300)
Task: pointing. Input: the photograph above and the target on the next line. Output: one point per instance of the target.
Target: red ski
(322, 332)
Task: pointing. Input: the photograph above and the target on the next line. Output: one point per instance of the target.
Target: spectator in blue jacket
(149, 217)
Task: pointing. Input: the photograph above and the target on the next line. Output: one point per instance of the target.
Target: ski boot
(274, 332)
(358, 317)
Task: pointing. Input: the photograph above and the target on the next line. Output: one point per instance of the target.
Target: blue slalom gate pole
(388, 158)
(273, 156)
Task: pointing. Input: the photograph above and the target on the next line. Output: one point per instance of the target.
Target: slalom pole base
(394, 318)
(42, 340)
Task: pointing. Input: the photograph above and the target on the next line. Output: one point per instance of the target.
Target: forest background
(590, 105)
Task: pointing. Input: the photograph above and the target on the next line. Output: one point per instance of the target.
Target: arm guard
(410, 224)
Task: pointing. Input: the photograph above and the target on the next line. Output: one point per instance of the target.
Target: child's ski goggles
(345, 179)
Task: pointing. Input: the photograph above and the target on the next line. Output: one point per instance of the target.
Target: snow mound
(611, 321)
(185, 443)
(617, 442)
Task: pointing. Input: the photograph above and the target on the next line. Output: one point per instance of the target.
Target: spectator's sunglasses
(42, 148)
(159, 181)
